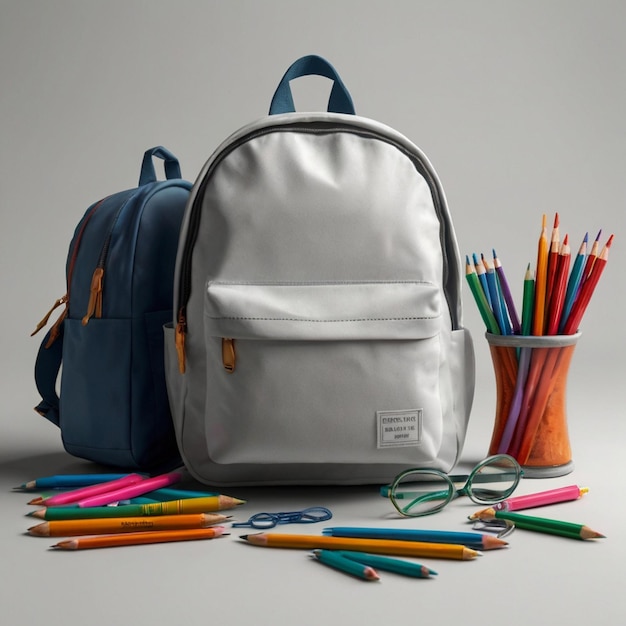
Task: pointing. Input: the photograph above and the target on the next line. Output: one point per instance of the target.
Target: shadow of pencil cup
(531, 417)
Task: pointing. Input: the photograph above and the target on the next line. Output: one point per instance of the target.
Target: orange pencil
(586, 291)
(557, 297)
(100, 526)
(375, 546)
(132, 539)
(540, 280)
(553, 261)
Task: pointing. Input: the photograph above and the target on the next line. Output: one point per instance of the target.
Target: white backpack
(318, 335)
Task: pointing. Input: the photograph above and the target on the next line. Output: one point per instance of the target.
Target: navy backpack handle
(148, 174)
(340, 100)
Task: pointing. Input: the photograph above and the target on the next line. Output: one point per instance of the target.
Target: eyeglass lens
(419, 492)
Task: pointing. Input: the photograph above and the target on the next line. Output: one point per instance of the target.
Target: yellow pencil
(374, 546)
(68, 528)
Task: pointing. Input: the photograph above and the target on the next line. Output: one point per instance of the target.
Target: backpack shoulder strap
(47, 366)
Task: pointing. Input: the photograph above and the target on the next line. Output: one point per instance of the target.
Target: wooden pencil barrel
(531, 407)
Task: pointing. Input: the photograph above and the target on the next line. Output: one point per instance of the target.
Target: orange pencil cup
(531, 417)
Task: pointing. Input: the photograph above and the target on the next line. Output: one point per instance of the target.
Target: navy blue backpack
(112, 407)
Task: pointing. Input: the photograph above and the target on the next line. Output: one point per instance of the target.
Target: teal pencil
(574, 281)
(479, 296)
(336, 561)
(495, 296)
(527, 301)
(390, 564)
(482, 277)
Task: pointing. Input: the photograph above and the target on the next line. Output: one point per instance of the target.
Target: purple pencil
(506, 292)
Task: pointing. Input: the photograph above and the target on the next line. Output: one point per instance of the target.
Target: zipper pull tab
(54, 331)
(95, 298)
(228, 355)
(44, 321)
(181, 330)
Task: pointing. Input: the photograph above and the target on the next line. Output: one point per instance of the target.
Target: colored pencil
(167, 494)
(342, 564)
(69, 497)
(540, 280)
(482, 277)
(69, 528)
(376, 546)
(591, 259)
(477, 541)
(390, 564)
(541, 498)
(495, 297)
(527, 301)
(132, 539)
(68, 481)
(586, 291)
(144, 486)
(506, 292)
(544, 525)
(574, 281)
(557, 296)
(479, 296)
(553, 259)
(173, 507)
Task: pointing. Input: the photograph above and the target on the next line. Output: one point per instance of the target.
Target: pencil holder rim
(532, 341)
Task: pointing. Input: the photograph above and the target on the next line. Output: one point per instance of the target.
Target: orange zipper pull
(181, 330)
(54, 331)
(44, 321)
(95, 297)
(229, 357)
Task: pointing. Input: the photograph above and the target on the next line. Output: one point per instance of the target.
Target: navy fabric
(340, 100)
(112, 407)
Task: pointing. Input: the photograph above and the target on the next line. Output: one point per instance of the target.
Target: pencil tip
(586, 238)
(609, 242)
(556, 219)
(467, 261)
(244, 537)
(566, 239)
(598, 235)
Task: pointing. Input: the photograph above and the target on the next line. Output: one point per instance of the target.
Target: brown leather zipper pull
(229, 357)
(181, 329)
(95, 297)
(44, 321)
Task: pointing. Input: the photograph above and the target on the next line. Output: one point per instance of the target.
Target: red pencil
(586, 291)
(557, 297)
(553, 261)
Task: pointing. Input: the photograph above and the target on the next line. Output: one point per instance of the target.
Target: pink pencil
(552, 496)
(69, 497)
(144, 486)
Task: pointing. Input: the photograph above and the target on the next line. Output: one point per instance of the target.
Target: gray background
(521, 107)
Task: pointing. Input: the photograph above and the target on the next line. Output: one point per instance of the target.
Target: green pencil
(481, 301)
(398, 566)
(190, 505)
(528, 301)
(544, 525)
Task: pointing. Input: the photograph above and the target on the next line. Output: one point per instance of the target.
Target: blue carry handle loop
(148, 174)
(47, 366)
(340, 100)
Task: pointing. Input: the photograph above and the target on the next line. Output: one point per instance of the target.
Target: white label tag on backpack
(398, 429)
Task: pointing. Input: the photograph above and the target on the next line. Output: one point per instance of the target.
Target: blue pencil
(495, 296)
(390, 564)
(573, 282)
(333, 559)
(69, 481)
(473, 540)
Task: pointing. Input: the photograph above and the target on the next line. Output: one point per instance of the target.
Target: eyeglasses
(269, 520)
(417, 492)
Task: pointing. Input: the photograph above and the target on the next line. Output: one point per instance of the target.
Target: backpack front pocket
(329, 372)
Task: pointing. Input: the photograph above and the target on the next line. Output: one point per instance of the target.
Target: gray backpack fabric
(318, 333)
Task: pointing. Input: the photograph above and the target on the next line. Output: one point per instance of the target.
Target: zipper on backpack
(65, 299)
(94, 306)
(229, 356)
(195, 214)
